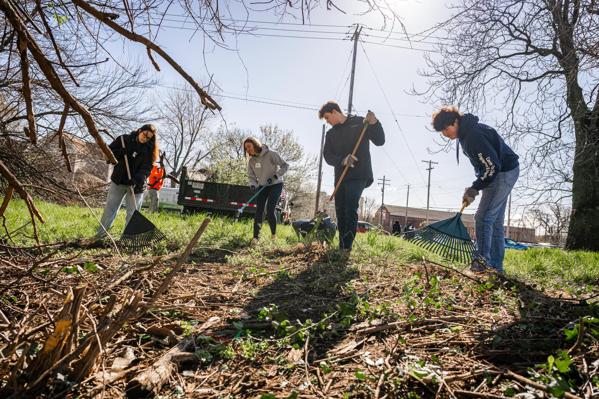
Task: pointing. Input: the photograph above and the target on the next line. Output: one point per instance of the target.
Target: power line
(253, 34)
(263, 34)
(392, 112)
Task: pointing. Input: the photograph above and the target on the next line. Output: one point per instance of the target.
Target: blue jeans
(116, 192)
(490, 236)
(347, 201)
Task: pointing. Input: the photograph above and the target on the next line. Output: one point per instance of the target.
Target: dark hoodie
(340, 142)
(140, 161)
(487, 151)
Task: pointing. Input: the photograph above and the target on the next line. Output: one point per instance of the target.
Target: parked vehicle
(199, 195)
(512, 244)
(364, 227)
(196, 195)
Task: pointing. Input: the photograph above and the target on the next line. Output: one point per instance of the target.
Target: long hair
(255, 142)
(148, 127)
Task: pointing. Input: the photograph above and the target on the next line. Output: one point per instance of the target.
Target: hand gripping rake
(139, 232)
(448, 238)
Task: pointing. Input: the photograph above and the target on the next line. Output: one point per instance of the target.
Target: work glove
(370, 118)
(349, 160)
(139, 188)
(469, 196)
(271, 179)
(130, 182)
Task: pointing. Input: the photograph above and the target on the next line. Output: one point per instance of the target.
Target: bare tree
(184, 130)
(536, 64)
(228, 164)
(302, 166)
(553, 219)
(370, 206)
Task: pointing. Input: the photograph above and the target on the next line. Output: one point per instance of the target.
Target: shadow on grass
(313, 302)
(540, 330)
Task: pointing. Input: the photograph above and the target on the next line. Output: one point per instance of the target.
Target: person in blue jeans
(339, 144)
(141, 150)
(496, 168)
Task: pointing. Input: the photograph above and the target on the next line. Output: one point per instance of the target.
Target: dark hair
(330, 106)
(255, 142)
(445, 116)
(148, 127)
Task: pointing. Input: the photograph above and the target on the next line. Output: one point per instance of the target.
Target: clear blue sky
(307, 72)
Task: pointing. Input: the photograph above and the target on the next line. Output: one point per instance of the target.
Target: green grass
(571, 271)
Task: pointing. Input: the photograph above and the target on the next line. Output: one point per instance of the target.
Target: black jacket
(140, 161)
(340, 142)
(487, 151)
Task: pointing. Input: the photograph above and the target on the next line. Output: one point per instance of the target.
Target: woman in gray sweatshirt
(265, 172)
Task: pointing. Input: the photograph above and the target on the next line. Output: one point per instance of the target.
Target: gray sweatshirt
(264, 166)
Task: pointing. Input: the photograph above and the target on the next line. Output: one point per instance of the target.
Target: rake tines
(140, 233)
(134, 243)
(456, 249)
(448, 238)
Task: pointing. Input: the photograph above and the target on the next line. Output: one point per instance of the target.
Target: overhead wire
(393, 113)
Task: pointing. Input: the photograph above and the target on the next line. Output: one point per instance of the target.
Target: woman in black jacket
(141, 149)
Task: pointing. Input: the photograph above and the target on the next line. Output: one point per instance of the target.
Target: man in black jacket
(338, 147)
(496, 168)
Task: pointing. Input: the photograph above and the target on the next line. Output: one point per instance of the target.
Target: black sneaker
(480, 265)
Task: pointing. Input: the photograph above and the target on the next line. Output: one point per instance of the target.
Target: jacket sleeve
(252, 179)
(376, 134)
(329, 154)
(283, 165)
(117, 148)
(486, 163)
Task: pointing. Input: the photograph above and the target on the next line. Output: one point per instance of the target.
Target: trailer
(221, 198)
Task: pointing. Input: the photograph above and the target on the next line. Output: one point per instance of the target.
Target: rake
(321, 215)
(139, 232)
(448, 238)
(245, 205)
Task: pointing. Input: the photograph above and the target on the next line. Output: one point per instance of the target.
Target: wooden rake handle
(128, 173)
(346, 169)
(464, 205)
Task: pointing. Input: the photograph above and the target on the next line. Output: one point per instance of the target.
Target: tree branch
(108, 20)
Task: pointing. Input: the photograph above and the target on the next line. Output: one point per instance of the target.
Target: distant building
(417, 217)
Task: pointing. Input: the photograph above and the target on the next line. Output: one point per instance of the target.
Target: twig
(537, 385)
(470, 394)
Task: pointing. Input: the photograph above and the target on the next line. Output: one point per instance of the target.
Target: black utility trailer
(199, 195)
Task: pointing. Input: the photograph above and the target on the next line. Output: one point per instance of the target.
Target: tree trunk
(583, 232)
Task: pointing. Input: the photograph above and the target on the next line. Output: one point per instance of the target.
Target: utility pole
(318, 184)
(428, 190)
(383, 183)
(407, 201)
(355, 38)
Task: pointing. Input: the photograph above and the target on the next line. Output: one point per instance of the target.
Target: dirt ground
(299, 322)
